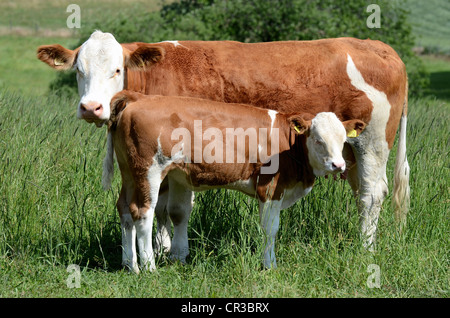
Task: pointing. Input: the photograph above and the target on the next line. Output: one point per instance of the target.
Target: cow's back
(286, 76)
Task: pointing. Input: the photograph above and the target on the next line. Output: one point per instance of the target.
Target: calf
(275, 159)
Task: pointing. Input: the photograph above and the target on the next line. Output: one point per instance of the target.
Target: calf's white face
(100, 75)
(325, 142)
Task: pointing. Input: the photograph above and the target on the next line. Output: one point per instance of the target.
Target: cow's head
(101, 64)
(325, 137)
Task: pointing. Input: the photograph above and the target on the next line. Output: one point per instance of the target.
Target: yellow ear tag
(296, 129)
(352, 134)
(58, 62)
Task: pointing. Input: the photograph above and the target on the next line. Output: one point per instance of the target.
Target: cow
(275, 159)
(355, 79)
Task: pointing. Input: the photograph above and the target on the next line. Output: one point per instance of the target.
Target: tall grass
(53, 212)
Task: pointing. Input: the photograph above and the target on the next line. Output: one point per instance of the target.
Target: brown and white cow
(202, 144)
(355, 79)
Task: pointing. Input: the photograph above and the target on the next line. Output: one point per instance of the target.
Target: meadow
(54, 213)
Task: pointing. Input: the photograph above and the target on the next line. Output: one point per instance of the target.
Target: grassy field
(54, 213)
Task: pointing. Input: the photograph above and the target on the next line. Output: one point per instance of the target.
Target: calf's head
(325, 137)
(101, 64)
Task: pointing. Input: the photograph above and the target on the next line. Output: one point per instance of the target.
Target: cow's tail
(400, 198)
(108, 163)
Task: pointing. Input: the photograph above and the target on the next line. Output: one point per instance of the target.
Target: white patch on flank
(273, 116)
(160, 162)
(381, 105)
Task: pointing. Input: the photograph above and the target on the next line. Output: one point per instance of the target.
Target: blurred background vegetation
(260, 21)
(416, 29)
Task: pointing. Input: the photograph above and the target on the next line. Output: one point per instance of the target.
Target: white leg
(373, 188)
(179, 207)
(269, 213)
(144, 238)
(163, 229)
(371, 198)
(129, 256)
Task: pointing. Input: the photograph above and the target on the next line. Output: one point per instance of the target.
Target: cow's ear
(143, 57)
(57, 56)
(300, 123)
(354, 127)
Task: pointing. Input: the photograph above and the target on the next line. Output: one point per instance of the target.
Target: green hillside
(431, 24)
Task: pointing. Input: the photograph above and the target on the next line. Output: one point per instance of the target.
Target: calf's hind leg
(128, 229)
(163, 229)
(179, 207)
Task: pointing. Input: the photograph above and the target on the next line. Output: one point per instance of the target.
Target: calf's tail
(118, 104)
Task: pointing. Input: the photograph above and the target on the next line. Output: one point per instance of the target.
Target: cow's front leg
(269, 213)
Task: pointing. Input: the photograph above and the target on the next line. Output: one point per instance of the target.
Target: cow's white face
(101, 63)
(100, 75)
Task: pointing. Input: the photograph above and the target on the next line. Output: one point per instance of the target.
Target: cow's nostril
(338, 165)
(82, 107)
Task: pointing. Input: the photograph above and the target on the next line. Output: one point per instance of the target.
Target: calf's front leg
(269, 213)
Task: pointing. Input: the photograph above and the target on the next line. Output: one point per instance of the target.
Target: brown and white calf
(355, 79)
(275, 158)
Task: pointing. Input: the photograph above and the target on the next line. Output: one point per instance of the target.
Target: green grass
(20, 69)
(52, 14)
(53, 213)
(439, 69)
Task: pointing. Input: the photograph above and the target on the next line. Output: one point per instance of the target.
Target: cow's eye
(117, 72)
(318, 142)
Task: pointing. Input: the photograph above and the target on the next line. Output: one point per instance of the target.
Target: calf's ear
(354, 127)
(57, 56)
(300, 123)
(144, 56)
